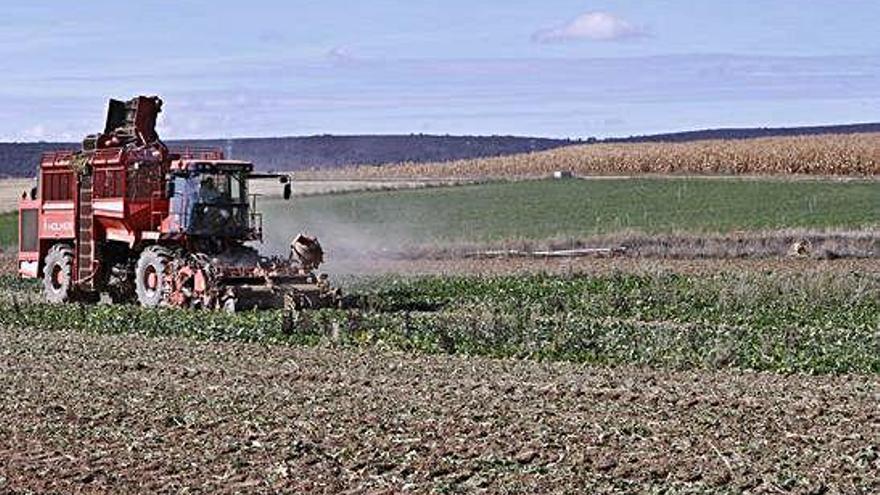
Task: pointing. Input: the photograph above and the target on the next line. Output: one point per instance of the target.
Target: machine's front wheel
(58, 274)
(150, 275)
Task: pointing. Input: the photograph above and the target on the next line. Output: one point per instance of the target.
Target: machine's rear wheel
(150, 280)
(58, 274)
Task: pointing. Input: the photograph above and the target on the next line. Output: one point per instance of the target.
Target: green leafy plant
(773, 322)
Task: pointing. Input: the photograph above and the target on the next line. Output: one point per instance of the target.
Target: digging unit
(129, 217)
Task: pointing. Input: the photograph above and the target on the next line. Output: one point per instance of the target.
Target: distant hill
(327, 151)
(313, 152)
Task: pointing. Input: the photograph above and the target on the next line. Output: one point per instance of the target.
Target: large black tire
(58, 274)
(149, 279)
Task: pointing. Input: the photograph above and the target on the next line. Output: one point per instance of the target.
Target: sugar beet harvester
(128, 217)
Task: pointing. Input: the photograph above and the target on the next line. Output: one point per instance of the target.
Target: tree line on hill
(328, 151)
(316, 152)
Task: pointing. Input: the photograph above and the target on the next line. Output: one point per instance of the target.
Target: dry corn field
(831, 154)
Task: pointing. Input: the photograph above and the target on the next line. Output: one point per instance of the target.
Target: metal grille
(58, 186)
(108, 183)
(28, 237)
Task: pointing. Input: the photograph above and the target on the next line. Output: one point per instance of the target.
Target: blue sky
(546, 68)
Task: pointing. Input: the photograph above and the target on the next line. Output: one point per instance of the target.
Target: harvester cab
(210, 199)
(129, 217)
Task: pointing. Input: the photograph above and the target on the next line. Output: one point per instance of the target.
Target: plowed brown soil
(83, 413)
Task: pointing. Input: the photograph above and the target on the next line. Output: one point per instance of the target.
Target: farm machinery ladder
(85, 235)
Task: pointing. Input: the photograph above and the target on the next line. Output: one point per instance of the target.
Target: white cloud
(595, 26)
(341, 55)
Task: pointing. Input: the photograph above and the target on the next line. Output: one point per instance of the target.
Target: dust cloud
(349, 247)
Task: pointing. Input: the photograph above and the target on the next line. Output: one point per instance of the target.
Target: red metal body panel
(57, 224)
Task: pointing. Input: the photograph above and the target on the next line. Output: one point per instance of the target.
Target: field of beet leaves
(784, 322)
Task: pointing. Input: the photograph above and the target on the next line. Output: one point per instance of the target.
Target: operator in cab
(208, 192)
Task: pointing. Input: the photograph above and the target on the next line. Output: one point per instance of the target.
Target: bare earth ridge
(86, 413)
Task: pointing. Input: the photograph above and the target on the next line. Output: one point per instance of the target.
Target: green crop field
(538, 210)
(815, 323)
(545, 209)
(8, 229)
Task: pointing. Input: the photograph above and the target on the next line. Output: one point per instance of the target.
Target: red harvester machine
(128, 217)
